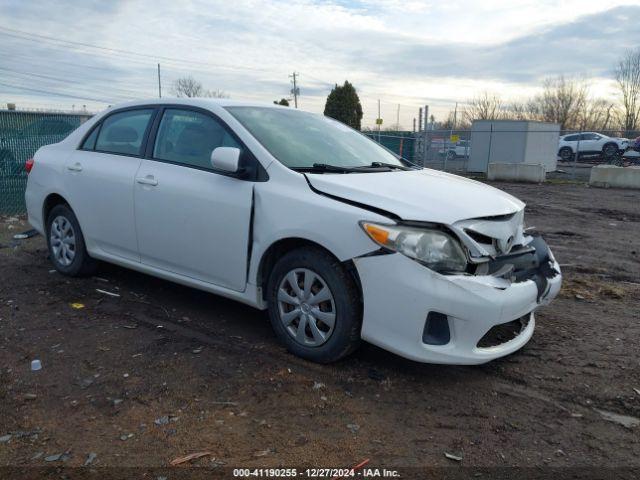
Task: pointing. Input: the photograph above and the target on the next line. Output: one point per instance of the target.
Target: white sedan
(590, 143)
(300, 215)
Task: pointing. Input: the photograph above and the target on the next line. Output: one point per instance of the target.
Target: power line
(49, 92)
(66, 81)
(29, 36)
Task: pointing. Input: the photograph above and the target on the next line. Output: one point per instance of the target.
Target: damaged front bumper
(428, 317)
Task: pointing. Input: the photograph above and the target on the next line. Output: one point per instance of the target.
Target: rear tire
(67, 249)
(314, 305)
(565, 154)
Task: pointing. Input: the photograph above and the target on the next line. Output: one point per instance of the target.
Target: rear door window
(124, 132)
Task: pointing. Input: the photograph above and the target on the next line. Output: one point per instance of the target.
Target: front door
(191, 220)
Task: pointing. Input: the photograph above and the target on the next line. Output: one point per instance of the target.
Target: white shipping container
(513, 141)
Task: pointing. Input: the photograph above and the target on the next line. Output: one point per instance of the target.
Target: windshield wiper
(324, 167)
(389, 165)
(373, 167)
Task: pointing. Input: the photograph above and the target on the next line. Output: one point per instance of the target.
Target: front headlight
(434, 248)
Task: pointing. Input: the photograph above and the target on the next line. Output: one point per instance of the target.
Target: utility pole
(159, 83)
(414, 124)
(426, 136)
(398, 118)
(295, 90)
(378, 121)
(455, 116)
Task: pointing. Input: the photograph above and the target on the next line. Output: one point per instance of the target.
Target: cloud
(408, 52)
(581, 48)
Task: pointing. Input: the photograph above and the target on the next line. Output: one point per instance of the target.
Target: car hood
(420, 195)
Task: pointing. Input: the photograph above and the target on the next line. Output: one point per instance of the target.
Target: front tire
(314, 305)
(609, 150)
(67, 249)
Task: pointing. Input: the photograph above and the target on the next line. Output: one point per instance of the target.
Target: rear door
(100, 178)
(190, 219)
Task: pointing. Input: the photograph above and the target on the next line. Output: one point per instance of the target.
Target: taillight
(28, 165)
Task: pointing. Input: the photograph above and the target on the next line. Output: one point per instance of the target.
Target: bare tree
(216, 94)
(521, 110)
(190, 87)
(597, 114)
(561, 101)
(627, 74)
(187, 87)
(485, 106)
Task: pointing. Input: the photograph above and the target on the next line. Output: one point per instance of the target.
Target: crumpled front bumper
(399, 294)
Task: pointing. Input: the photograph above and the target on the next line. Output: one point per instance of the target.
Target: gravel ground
(161, 370)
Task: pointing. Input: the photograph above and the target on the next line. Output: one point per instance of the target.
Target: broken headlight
(433, 248)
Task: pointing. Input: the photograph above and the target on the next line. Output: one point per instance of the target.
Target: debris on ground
(188, 458)
(353, 427)
(5, 438)
(26, 234)
(162, 420)
(452, 456)
(105, 292)
(624, 420)
(318, 385)
(90, 458)
(36, 365)
(263, 453)
(77, 305)
(53, 458)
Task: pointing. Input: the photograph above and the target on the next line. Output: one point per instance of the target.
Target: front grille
(504, 332)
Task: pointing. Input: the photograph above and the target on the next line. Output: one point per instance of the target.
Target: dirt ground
(163, 371)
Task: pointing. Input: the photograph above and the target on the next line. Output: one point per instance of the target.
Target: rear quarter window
(123, 132)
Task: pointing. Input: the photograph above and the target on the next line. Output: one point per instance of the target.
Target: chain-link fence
(21, 135)
(566, 155)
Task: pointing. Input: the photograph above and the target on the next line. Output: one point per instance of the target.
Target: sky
(73, 53)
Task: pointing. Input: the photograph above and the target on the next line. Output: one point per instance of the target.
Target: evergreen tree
(344, 105)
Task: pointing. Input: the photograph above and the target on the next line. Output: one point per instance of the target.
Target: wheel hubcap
(63, 241)
(306, 306)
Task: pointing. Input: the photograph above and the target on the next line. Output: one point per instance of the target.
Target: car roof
(196, 102)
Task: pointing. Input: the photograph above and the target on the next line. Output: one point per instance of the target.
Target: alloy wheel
(63, 241)
(306, 307)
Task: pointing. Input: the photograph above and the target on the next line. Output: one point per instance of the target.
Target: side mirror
(226, 159)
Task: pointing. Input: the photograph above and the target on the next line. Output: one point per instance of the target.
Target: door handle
(76, 167)
(148, 180)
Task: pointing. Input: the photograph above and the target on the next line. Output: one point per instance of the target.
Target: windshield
(301, 139)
